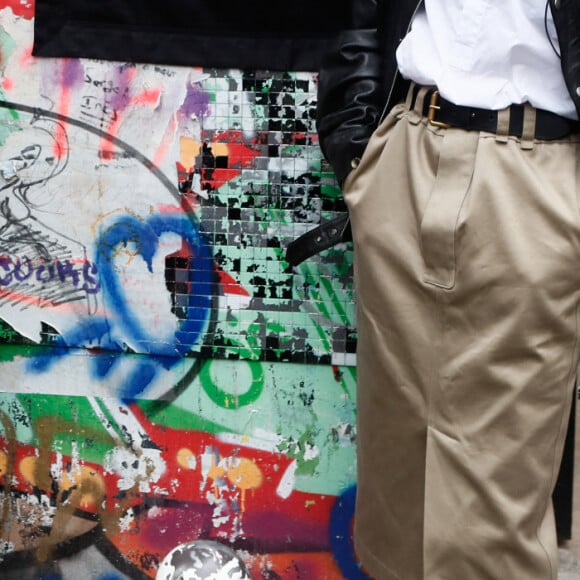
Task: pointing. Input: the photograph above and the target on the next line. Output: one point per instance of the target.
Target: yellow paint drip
(186, 458)
(89, 484)
(3, 464)
(216, 471)
(242, 473)
(27, 469)
(245, 474)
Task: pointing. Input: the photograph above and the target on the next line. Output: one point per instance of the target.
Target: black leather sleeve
(350, 94)
(566, 16)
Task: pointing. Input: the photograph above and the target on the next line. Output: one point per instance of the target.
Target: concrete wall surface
(166, 376)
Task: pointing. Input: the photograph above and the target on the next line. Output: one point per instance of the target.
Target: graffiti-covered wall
(166, 376)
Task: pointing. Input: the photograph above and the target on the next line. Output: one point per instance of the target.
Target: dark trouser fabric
(467, 277)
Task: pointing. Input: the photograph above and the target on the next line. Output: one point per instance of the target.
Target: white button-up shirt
(487, 53)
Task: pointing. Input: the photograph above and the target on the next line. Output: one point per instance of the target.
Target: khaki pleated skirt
(467, 279)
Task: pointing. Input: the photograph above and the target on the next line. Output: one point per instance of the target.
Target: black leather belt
(327, 234)
(443, 113)
(440, 113)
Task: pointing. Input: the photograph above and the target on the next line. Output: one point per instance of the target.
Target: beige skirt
(467, 278)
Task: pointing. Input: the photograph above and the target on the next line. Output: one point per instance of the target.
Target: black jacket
(359, 81)
(248, 34)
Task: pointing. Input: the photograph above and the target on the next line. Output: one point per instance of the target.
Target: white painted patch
(288, 481)
(135, 471)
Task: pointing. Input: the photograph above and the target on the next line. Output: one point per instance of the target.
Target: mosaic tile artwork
(283, 189)
(251, 176)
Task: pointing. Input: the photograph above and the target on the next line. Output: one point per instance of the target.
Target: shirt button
(578, 91)
(556, 3)
(355, 162)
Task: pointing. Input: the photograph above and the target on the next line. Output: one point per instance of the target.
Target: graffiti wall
(166, 376)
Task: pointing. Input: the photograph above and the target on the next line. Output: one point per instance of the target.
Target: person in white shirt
(452, 128)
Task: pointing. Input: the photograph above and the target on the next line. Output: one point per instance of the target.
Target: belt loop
(503, 125)
(420, 101)
(416, 113)
(529, 127)
(410, 94)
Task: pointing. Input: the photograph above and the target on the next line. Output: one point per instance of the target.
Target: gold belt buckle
(433, 107)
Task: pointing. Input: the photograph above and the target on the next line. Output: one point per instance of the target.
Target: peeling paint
(166, 376)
